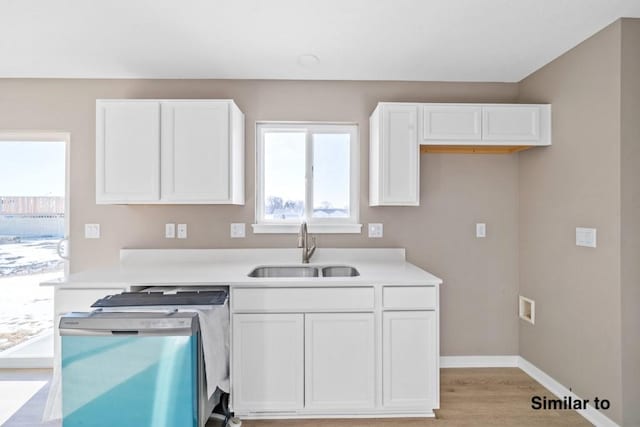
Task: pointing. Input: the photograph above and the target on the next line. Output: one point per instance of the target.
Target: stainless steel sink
(284, 271)
(304, 271)
(339, 271)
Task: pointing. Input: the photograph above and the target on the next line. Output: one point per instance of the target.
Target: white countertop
(230, 267)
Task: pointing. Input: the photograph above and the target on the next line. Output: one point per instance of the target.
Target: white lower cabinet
(409, 359)
(339, 361)
(334, 357)
(268, 362)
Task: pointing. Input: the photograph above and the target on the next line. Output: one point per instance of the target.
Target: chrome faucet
(303, 242)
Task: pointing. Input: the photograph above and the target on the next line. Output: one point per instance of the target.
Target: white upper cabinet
(516, 124)
(394, 157)
(127, 151)
(447, 122)
(192, 153)
(197, 145)
(486, 124)
(398, 132)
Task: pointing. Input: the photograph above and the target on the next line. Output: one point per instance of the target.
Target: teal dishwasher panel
(129, 381)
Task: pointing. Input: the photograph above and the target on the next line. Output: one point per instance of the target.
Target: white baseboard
(591, 414)
(479, 361)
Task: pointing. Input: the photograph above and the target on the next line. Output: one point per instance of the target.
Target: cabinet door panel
(195, 151)
(511, 123)
(400, 156)
(409, 359)
(451, 123)
(339, 361)
(268, 360)
(127, 151)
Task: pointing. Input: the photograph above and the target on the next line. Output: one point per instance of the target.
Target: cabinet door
(400, 157)
(339, 361)
(511, 123)
(196, 151)
(127, 151)
(268, 359)
(446, 123)
(409, 359)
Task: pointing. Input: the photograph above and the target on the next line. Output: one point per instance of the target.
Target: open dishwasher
(140, 359)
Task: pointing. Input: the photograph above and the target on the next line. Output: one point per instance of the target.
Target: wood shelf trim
(473, 149)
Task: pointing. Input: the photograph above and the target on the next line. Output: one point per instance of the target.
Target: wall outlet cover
(182, 231)
(92, 231)
(376, 230)
(481, 230)
(586, 237)
(170, 231)
(237, 230)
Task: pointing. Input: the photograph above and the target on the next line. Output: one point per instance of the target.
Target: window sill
(313, 228)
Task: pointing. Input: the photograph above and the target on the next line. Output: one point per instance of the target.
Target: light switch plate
(481, 230)
(92, 231)
(376, 230)
(182, 231)
(170, 231)
(237, 230)
(586, 237)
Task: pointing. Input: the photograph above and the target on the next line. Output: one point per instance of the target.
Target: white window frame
(316, 225)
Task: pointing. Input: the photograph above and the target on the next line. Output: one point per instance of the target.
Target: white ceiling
(436, 40)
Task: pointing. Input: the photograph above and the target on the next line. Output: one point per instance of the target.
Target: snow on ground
(26, 308)
(29, 257)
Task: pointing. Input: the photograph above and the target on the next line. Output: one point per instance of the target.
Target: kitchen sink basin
(284, 271)
(304, 271)
(339, 271)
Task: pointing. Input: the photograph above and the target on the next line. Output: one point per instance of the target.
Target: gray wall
(630, 174)
(478, 298)
(576, 182)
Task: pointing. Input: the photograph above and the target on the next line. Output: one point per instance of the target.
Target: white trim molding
(591, 414)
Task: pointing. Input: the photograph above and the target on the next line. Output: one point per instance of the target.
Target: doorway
(33, 234)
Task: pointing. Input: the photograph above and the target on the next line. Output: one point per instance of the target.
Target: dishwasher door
(129, 369)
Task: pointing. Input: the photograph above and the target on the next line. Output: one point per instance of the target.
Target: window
(307, 172)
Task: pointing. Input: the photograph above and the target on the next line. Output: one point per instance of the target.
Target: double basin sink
(304, 271)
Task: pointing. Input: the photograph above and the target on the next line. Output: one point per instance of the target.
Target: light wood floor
(499, 397)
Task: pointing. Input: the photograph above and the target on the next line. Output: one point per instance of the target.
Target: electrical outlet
(376, 230)
(586, 237)
(170, 231)
(237, 230)
(92, 231)
(481, 230)
(182, 231)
